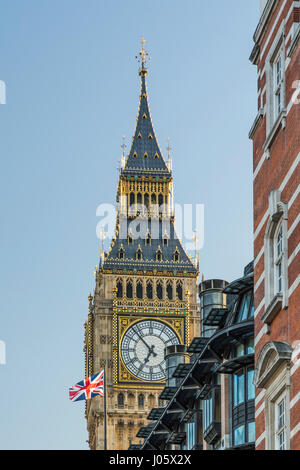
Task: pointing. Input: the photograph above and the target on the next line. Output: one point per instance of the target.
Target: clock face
(142, 349)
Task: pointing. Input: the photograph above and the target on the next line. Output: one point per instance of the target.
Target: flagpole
(105, 423)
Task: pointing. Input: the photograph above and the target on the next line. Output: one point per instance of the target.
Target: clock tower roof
(145, 157)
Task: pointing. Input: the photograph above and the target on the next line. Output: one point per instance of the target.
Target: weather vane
(143, 55)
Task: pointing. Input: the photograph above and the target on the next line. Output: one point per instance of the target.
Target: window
(190, 436)
(176, 256)
(243, 424)
(246, 308)
(179, 290)
(250, 345)
(139, 254)
(208, 411)
(129, 292)
(159, 290)
(278, 254)
(121, 400)
(238, 388)
(159, 254)
(121, 253)
(149, 290)
(141, 401)
(148, 239)
(275, 75)
(119, 289)
(276, 257)
(250, 385)
(146, 200)
(280, 422)
(239, 435)
(278, 75)
(132, 199)
(170, 291)
(139, 290)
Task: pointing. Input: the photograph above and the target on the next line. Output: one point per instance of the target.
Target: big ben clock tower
(145, 295)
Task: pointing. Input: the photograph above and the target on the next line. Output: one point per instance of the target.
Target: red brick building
(276, 155)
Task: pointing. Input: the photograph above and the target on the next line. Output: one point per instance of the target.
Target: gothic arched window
(139, 290)
(179, 290)
(120, 399)
(141, 401)
(176, 255)
(139, 254)
(129, 291)
(159, 290)
(119, 289)
(170, 291)
(121, 253)
(131, 199)
(148, 239)
(159, 254)
(149, 290)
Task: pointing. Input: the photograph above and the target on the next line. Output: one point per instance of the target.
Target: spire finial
(123, 147)
(169, 148)
(143, 57)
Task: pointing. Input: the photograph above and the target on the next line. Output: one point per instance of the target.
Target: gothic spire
(145, 157)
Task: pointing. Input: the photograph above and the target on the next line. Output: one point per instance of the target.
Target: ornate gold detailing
(144, 56)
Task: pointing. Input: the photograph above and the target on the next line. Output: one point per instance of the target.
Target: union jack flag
(88, 388)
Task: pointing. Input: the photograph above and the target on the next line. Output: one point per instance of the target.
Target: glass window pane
(239, 350)
(250, 346)
(245, 307)
(282, 441)
(239, 435)
(250, 385)
(251, 432)
(238, 388)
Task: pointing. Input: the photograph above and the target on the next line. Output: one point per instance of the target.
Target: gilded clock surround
(175, 314)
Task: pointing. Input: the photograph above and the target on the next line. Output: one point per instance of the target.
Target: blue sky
(72, 93)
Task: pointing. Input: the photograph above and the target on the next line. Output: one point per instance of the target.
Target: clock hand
(152, 351)
(149, 354)
(142, 340)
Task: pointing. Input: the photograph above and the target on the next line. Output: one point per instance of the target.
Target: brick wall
(276, 167)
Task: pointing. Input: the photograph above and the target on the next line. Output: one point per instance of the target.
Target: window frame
(280, 430)
(278, 84)
(274, 88)
(278, 220)
(242, 406)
